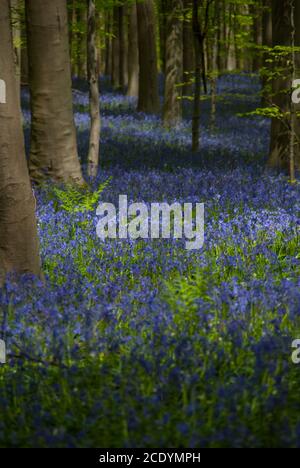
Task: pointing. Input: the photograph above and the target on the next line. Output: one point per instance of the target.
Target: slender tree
(188, 49)
(53, 150)
(108, 44)
(93, 156)
(266, 42)
(148, 101)
(115, 78)
(198, 40)
(81, 15)
(133, 53)
(174, 66)
(18, 231)
(200, 30)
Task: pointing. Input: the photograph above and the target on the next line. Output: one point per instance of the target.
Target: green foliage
(272, 112)
(76, 200)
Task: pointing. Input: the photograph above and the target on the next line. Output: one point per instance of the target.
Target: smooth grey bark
(172, 112)
(18, 231)
(53, 151)
(148, 100)
(94, 143)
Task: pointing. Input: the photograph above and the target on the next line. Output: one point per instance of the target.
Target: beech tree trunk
(133, 53)
(148, 101)
(174, 67)
(94, 144)
(18, 231)
(53, 150)
(279, 157)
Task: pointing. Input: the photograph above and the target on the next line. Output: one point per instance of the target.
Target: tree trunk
(188, 50)
(24, 59)
(72, 26)
(108, 45)
(198, 65)
(123, 47)
(279, 157)
(93, 156)
(267, 41)
(255, 10)
(115, 78)
(148, 101)
(53, 150)
(16, 29)
(81, 42)
(133, 54)
(18, 231)
(162, 22)
(172, 114)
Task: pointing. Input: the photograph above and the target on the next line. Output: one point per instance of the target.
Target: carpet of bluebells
(143, 343)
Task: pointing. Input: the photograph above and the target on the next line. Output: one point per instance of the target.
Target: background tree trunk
(148, 101)
(81, 42)
(133, 53)
(18, 232)
(16, 29)
(267, 40)
(53, 139)
(108, 44)
(198, 66)
(93, 156)
(188, 50)
(172, 114)
(115, 78)
(280, 132)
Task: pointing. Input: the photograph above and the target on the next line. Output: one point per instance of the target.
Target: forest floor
(144, 343)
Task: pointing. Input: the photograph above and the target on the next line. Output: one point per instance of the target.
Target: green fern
(75, 200)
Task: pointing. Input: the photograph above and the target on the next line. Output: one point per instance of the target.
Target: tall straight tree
(133, 53)
(93, 156)
(18, 231)
(148, 100)
(188, 49)
(115, 78)
(16, 29)
(200, 30)
(286, 33)
(174, 66)
(267, 42)
(53, 150)
(198, 65)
